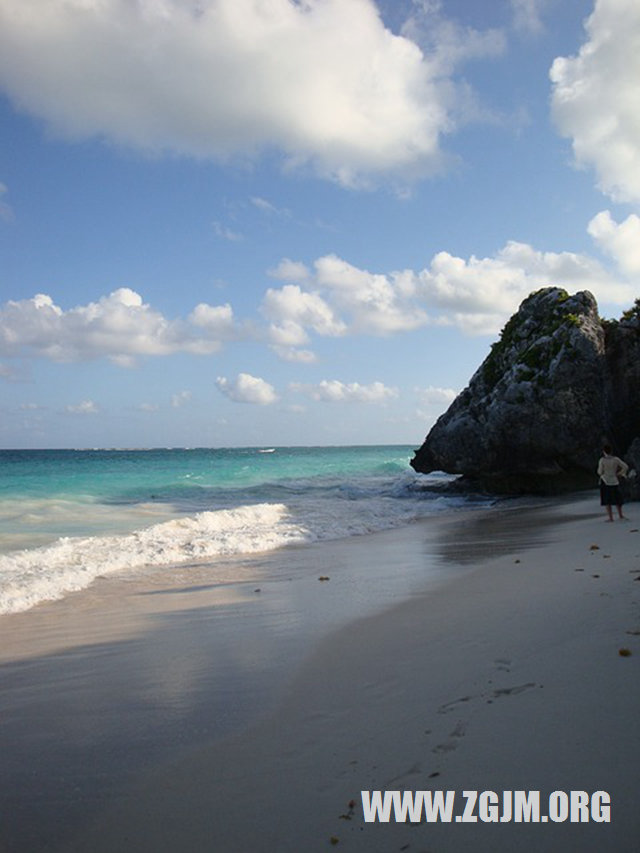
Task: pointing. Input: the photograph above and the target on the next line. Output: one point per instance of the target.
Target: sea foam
(42, 574)
(291, 512)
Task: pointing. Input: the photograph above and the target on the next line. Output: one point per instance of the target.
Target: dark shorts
(610, 495)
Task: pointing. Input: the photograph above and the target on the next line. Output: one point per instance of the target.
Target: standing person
(609, 469)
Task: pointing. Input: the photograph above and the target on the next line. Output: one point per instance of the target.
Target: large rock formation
(558, 384)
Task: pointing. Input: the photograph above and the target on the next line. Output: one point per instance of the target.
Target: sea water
(69, 516)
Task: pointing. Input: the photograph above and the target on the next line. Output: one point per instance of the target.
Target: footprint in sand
(513, 691)
(459, 731)
(454, 736)
(452, 706)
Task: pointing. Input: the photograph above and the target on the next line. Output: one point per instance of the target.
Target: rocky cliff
(558, 383)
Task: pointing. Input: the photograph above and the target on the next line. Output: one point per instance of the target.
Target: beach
(140, 715)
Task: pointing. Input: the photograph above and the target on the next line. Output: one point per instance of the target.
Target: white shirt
(609, 467)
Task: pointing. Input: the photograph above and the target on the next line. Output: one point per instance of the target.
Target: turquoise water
(132, 475)
(67, 516)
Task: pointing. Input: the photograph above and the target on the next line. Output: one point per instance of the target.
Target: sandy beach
(477, 651)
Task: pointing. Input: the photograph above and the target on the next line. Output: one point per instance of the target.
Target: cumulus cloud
(292, 310)
(376, 304)
(86, 407)
(432, 402)
(217, 320)
(620, 241)
(432, 396)
(595, 98)
(288, 270)
(322, 81)
(341, 298)
(119, 326)
(331, 298)
(476, 295)
(247, 389)
(334, 391)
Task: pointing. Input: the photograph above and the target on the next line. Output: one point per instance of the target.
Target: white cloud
(621, 242)
(119, 326)
(438, 397)
(527, 15)
(267, 207)
(288, 270)
(323, 81)
(341, 298)
(180, 399)
(595, 98)
(334, 391)
(263, 204)
(376, 304)
(86, 407)
(217, 320)
(291, 310)
(432, 402)
(334, 298)
(446, 42)
(477, 295)
(247, 389)
(225, 233)
(302, 356)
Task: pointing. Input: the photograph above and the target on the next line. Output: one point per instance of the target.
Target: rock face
(558, 384)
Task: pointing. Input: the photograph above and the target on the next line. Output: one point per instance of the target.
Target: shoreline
(360, 660)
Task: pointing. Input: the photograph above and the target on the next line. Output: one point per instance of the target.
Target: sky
(297, 222)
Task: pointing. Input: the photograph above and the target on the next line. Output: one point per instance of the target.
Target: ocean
(70, 516)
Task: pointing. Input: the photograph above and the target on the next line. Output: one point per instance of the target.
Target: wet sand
(477, 651)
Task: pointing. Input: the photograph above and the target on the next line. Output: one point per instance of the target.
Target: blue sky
(263, 222)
